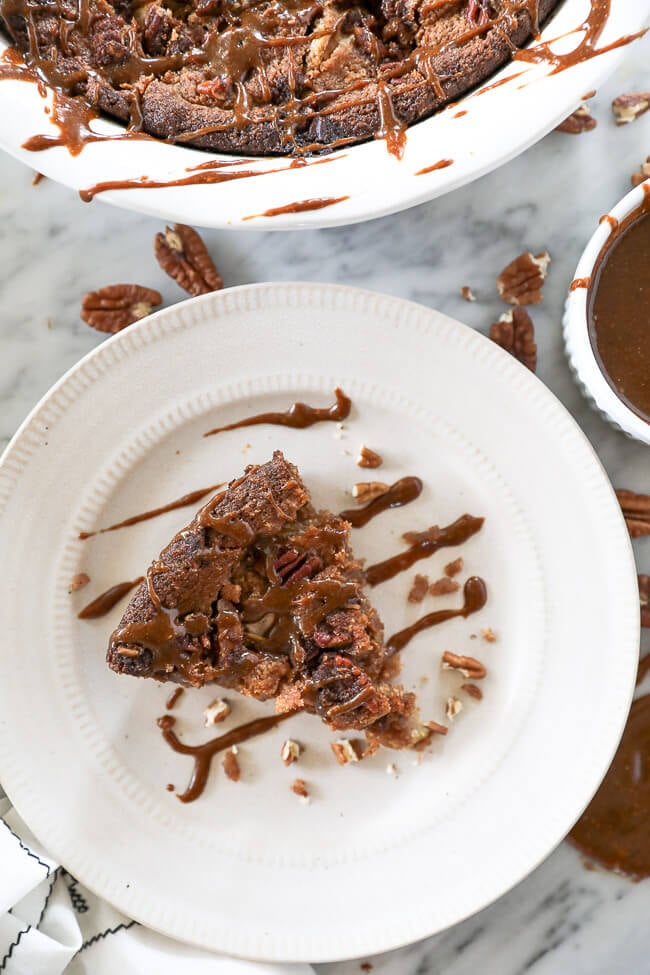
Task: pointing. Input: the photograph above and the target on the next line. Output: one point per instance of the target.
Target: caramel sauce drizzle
(301, 206)
(422, 545)
(172, 699)
(299, 416)
(203, 754)
(402, 492)
(104, 603)
(474, 599)
(182, 502)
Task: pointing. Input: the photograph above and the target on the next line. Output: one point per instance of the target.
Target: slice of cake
(261, 593)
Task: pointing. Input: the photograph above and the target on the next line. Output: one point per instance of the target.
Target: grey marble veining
(53, 248)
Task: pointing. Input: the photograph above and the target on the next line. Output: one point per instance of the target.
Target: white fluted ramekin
(582, 358)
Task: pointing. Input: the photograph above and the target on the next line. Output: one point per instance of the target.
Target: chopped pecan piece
(478, 13)
(231, 764)
(467, 293)
(290, 751)
(422, 737)
(184, 257)
(453, 568)
(444, 586)
(418, 589)
(217, 711)
(473, 691)
(78, 581)
(347, 750)
(521, 281)
(469, 667)
(630, 106)
(364, 492)
(515, 333)
(454, 707)
(644, 598)
(489, 635)
(579, 121)
(636, 511)
(299, 788)
(368, 458)
(643, 173)
(112, 308)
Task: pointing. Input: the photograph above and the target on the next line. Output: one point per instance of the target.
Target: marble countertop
(54, 248)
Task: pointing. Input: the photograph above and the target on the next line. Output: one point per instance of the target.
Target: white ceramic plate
(499, 124)
(375, 861)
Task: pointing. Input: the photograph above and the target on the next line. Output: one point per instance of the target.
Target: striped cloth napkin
(50, 924)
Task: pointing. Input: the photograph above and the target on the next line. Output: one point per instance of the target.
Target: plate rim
(10, 467)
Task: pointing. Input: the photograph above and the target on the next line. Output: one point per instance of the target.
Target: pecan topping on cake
(112, 308)
(270, 76)
(181, 253)
(515, 333)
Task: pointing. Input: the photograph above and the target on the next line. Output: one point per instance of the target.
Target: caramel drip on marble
(422, 545)
(613, 831)
(474, 599)
(299, 416)
(203, 754)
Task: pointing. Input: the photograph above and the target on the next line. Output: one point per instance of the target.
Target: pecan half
(644, 599)
(630, 106)
(184, 257)
(515, 333)
(368, 458)
(112, 308)
(642, 174)
(469, 667)
(521, 281)
(293, 566)
(579, 121)
(636, 511)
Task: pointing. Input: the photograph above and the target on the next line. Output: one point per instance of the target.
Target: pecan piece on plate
(369, 458)
(469, 667)
(467, 294)
(579, 121)
(515, 333)
(630, 105)
(182, 254)
(444, 586)
(112, 308)
(642, 173)
(347, 750)
(419, 589)
(364, 492)
(231, 764)
(636, 511)
(644, 598)
(521, 281)
(473, 691)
